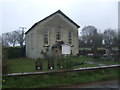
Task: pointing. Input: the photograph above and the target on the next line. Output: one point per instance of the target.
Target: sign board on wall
(66, 49)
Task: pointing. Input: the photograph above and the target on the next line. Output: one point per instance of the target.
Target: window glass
(58, 34)
(70, 37)
(46, 37)
(31, 40)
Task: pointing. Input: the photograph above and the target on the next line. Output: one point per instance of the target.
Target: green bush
(13, 52)
(4, 61)
(8, 53)
(65, 63)
(4, 55)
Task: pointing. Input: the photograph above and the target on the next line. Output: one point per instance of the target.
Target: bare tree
(88, 34)
(109, 36)
(20, 37)
(9, 38)
(5, 40)
(13, 38)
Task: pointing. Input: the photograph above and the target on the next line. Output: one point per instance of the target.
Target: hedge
(15, 52)
(84, 52)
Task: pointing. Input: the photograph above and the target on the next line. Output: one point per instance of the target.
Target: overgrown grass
(59, 79)
(28, 65)
(21, 65)
(107, 62)
(85, 65)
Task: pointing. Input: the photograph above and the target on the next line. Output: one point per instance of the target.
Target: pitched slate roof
(52, 15)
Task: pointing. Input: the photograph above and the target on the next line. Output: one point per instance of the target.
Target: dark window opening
(46, 37)
(58, 34)
(70, 38)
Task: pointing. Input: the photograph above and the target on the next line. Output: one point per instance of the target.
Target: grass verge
(28, 65)
(59, 79)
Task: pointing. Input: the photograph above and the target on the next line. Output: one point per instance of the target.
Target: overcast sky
(102, 14)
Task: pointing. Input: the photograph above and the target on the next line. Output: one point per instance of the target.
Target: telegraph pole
(23, 28)
(22, 38)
